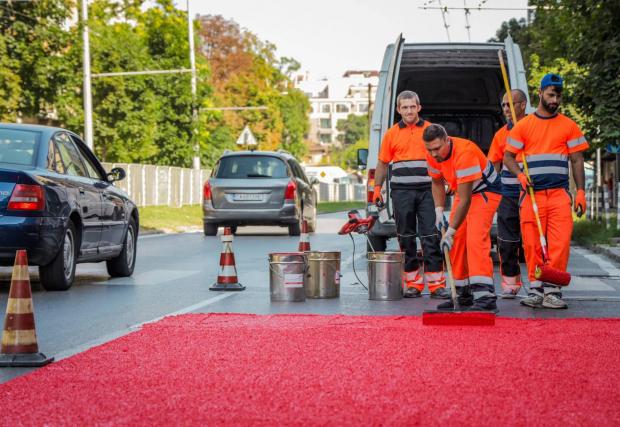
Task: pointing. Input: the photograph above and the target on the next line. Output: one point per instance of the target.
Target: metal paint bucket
(287, 276)
(385, 275)
(323, 277)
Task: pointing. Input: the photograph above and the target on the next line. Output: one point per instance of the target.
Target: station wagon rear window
(248, 167)
(18, 147)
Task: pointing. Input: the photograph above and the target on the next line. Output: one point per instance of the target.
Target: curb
(604, 251)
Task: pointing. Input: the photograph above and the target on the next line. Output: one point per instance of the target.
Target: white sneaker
(553, 301)
(533, 300)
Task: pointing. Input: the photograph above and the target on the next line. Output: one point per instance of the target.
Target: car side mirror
(116, 174)
(314, 180)
(362, 158)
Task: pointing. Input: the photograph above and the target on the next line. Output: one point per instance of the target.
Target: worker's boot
(440, 293)
(534, 298)
(485, 303)
(553, 299)
(465, 298)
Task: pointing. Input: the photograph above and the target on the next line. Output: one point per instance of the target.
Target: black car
(58, 203)
(259, 188)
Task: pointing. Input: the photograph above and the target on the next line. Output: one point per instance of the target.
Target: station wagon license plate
(247, 196)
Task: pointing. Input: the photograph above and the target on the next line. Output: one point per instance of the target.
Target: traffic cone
(304, 239)
(227, 277)
(19, 338)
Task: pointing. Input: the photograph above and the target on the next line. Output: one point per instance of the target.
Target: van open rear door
(516, 69)
(389, 104)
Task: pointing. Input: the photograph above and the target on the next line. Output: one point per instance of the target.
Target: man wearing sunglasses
(508, 225)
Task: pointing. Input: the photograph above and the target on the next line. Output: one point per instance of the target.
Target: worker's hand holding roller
(580, 202)
(441, 223)
(377, 197)
(448, 239)
(525, 182)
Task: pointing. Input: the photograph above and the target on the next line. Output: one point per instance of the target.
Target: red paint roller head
(548, 274)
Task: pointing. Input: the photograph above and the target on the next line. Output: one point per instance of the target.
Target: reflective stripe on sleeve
(575, 142)
(461, 173)
(513, 142)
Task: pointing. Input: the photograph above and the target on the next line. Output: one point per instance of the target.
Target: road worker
(508, 225)
(548, 140)
(410, 189)
(467, 171)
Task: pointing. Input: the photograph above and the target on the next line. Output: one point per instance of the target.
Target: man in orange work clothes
(547, 139)
(508, 225)
(410, 185)
(464, 167)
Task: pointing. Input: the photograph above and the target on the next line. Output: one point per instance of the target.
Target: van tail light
(27, 198)
(371, 185)
(289, 194)
(206, 191)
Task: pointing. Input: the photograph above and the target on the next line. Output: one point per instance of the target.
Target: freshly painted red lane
(233, 369)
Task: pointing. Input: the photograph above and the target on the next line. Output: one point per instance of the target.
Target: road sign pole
(192, 62)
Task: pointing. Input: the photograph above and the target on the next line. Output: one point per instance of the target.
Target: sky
(329, 37)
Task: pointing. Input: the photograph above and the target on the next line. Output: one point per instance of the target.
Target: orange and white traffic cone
(19, 338)
(304, 239)
(227, 276)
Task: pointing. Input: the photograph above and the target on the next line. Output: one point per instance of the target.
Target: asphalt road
(173, 274)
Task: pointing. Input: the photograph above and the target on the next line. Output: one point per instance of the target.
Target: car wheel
(294, 229)
(210, 229)
(379, 243)
(58, 275)
(124, 263)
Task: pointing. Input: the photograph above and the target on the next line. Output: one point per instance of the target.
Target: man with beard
(414, 212)
(508, 226)
(548, 140)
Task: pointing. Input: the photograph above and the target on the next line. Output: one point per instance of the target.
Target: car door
(113, 215)
(304, 186)
(82, 189)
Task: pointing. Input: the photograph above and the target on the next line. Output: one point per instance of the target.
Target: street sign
(246, 137)
(614, 149)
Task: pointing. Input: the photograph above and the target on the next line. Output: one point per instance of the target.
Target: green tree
(353, 129)
(10, 88)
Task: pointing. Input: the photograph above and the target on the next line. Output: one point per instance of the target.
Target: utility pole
(192, 62)
(444, 10)
(88, 98)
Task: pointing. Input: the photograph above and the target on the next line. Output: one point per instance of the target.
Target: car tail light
(206, 191)
(27, 198)
(371, 185)
(289, 194)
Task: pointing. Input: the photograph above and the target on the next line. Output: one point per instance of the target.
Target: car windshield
(241, 167)
(18, 146)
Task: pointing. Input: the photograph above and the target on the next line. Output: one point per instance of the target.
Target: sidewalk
(612, 252)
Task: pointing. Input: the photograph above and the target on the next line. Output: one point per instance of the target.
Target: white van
(460, 87)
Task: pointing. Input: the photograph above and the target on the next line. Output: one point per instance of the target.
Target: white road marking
(117, 334)
(588, 284)
(602, 262)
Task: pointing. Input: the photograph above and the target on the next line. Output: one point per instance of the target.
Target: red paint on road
(339, 370)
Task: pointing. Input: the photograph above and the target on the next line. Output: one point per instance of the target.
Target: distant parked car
(259, 188)
(58, 203)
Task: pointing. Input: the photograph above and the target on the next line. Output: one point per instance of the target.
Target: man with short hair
(463, 166)
(547, 140)
(412, 199)
(508, 225)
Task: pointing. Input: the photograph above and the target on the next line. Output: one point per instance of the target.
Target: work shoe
(533, 300)
(510, 293)
(486, 303)
(412, 293)
(553, 300)
(465, 299)
(440, 293)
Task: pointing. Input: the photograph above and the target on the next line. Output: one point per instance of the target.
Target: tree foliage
(146, 118)
(352, 129)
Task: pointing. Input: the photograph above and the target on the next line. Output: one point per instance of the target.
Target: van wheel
(379, 243)
(210, 229)
(124, 263)
(58, 275)
(294, 229)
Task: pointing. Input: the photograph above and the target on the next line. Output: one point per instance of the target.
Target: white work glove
(447, 240)
(441, 222)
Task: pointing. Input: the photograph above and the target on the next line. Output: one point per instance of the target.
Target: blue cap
(551, 79)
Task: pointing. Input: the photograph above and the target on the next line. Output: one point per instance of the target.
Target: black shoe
(465, 299)
(486, 303)
(412, 293)
(440, 293)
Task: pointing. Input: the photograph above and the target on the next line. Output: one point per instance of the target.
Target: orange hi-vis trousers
(471, 253)
(556, 218)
